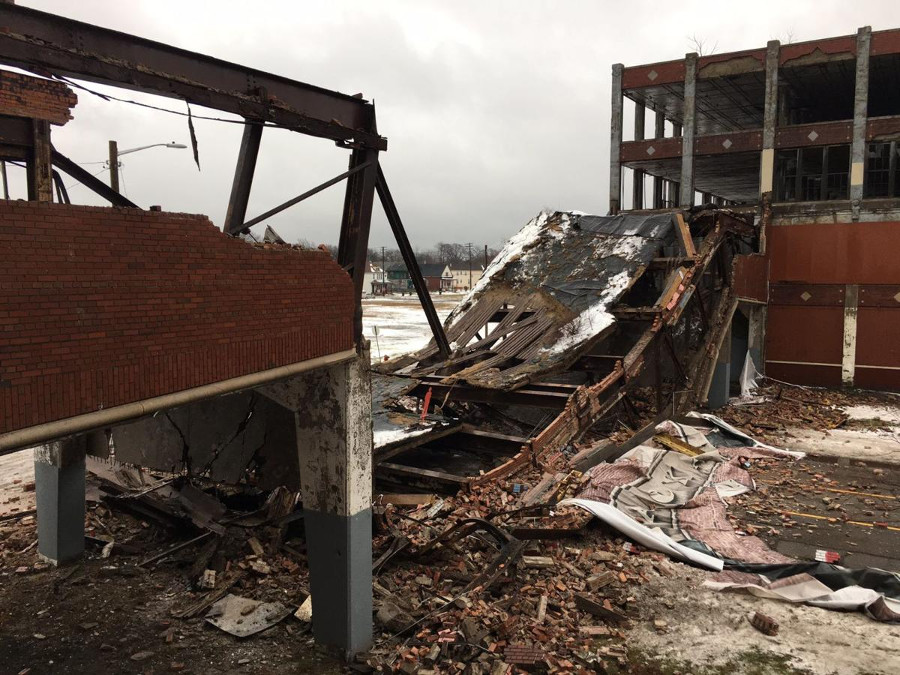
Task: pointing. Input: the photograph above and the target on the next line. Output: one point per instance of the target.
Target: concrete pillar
(720, 387)
(674, 186)
(59, 493)
(333, 412)
(690, 127)
(848, 358)
(756, 336)
(615, 141)
(860, 117)
(770, 119)
(39, 167)
(658, 186)
(637, 200)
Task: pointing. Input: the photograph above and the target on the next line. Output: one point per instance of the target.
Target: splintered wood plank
(684, 234)
(415, 472)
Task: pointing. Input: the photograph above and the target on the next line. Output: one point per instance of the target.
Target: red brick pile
(26, 96)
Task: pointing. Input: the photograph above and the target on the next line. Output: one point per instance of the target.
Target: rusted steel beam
(243, 178)
(86, 179)
(531, 395)
(412, 265)
(42, 42)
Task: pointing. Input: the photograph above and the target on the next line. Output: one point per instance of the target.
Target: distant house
(437, 277)
(463, 280)
(374, 281)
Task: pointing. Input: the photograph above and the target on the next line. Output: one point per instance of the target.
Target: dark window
(882, 170)
(812, 174)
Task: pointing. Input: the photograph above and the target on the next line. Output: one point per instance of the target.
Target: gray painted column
(860, 117)
(674, 186)
(59, 493)
(658, 184)
(770, 119)
(615, 141)
(848, 356)
(333, 412)
(720, 387)
(637, 199)
(688, 132)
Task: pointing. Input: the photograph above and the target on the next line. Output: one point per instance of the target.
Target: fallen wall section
(105, 306)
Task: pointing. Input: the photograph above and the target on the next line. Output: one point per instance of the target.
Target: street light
(114, 155)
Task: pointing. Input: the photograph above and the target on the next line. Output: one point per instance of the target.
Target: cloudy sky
(493, 110)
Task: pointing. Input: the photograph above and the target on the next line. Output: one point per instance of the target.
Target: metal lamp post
(114, 155)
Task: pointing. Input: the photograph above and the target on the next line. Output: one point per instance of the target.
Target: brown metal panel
(883, 128)
(805, 334)
(652, 148)
(820, 133)
(730, 143)
(732, 63)
(653, 74)
(751, 277)
(16, 131)
(845, 44)
(885, 42)
(807, 295)
(817, 376)
(835, 253)
(886, 295)
(882, 379)
(878, 337)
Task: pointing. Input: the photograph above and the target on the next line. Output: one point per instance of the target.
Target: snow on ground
(401, 323)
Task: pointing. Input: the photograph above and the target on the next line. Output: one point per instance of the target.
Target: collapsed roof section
(546, 297)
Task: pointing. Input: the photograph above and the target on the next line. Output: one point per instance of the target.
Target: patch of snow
(888, 414)
(385, 437)
(592, 320)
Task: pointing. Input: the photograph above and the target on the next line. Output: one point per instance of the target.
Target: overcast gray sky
(492, 110)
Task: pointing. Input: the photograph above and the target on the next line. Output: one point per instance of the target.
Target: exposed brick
(99, 308)
(27, 96)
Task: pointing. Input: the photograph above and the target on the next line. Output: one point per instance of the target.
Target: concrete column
(637, 201)
(770, 119)
(59, 493)
(333, 412)
(848, 359)
(615, 141)
(39, 167)
(658, 185)
(756, 336)
(720, 387)
(674, 186)
(860, 117)
(690, 127)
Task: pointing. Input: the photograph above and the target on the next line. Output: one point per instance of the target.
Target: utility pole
(383, 274)
(470, 265)
(114, 165)
(485, 257)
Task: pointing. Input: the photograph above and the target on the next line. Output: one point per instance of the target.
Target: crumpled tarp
(680, 500)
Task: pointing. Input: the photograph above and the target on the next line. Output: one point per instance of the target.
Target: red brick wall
(105, 306)
(26, 96)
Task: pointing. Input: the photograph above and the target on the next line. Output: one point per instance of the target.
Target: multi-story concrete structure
(805, 135)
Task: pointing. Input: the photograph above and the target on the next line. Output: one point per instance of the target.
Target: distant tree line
(455, 255)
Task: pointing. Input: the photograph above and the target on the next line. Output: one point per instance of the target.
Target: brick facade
(105, 306)
(26, 96)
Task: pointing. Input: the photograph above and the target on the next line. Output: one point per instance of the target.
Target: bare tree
(700, 45)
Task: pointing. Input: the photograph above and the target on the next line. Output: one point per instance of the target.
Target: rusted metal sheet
(877, 332)
(882, 295)
(883, 128)
(728, 144)
(806, 295)
(805, 334)
(731, 63)
(800, 53)
(820, 133)
(751, 277)
(653, 74)
(885, 42)
(653, 148)
(835, 253)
